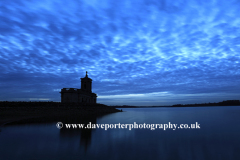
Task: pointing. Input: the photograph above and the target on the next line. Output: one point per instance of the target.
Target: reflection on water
(217, 139)
(84, 134)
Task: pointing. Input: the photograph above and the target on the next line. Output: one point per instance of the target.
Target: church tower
(86, 84)
(83, 95)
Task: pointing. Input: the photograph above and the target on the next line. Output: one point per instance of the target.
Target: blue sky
(138, 52)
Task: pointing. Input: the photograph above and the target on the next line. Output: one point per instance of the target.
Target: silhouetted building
(83, 95)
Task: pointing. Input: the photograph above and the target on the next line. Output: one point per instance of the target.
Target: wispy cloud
(129, 47)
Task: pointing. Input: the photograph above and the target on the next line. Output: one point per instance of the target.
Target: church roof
(86, 77)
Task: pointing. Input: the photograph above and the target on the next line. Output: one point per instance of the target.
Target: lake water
(217, 139)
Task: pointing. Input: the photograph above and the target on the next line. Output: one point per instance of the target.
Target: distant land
(7, 104)
(223, 103)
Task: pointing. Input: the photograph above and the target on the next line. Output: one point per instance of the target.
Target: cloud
(129, 47)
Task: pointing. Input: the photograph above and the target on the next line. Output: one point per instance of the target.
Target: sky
(137, 52)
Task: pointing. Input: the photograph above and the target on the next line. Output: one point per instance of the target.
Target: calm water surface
(217, 139)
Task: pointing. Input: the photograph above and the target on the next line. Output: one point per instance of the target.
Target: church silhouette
(83, 95)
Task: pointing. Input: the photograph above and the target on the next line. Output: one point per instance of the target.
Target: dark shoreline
(223, 103)
(37, 112)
